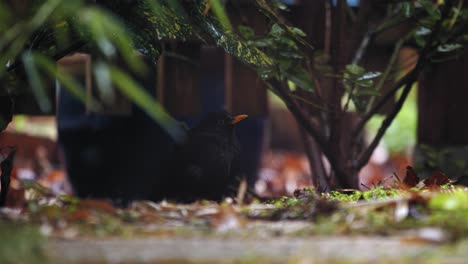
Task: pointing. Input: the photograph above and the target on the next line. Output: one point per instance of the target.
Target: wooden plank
(442, 104)
(245, 92)
(111, 102)
(179, 79)
(78, 65)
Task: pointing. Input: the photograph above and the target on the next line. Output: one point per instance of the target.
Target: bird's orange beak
(236, 119)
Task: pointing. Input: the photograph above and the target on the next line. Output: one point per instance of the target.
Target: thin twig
(386, 73)
(405, 79)
(362, 48)
(307, 102)
(181, 57)
(364, 158)
(284, 94)
(348, 100)
(368, 188)
(358, 27)
(318, 87)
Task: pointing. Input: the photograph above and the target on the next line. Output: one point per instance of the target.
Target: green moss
(451, 201)
(339, 196)
(286, 201)
(380, 193)
(20, 244)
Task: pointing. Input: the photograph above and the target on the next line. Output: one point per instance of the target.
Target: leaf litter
(431, 210)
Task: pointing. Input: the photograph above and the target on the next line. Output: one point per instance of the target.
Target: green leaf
(369, 75)
(220, 13)
(285, 43)
(169, 23)
(109, 34)
(5, 16)
(233, 45)
(36, 83)
(366, 83)
(284, 64)
(265, 8)
(297, 31)
(449, 47)
(276, 30)
(431, 8)
(302, 79)
(367, 91)
(261, 43)
(65, 79)
(280, 5)
(246, 32)
(359, 103)
(103, 81)
(291, 54)
(133, 91)
(408, 9)
(420, 40)
(354, 69)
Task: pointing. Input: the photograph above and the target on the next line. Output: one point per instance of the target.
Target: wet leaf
(436, 180)
(449, 47)
(302, 79)
(411, 179)
(355, 70)
(246, 32)
(408, 9)
(369, 75)
(297, 31)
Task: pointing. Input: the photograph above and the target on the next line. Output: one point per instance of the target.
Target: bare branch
(388, 96)
(362, 48)
(292, 105)
(391, 65)
(364, 158)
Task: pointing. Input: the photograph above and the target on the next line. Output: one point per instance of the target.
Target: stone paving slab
(273, 250)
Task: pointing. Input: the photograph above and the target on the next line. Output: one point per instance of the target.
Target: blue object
(288, 2)
(122, 158)
(352, 3)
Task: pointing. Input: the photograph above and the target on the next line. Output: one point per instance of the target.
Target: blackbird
(207, 165)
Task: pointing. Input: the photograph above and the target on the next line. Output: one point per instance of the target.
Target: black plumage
(207, 165)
